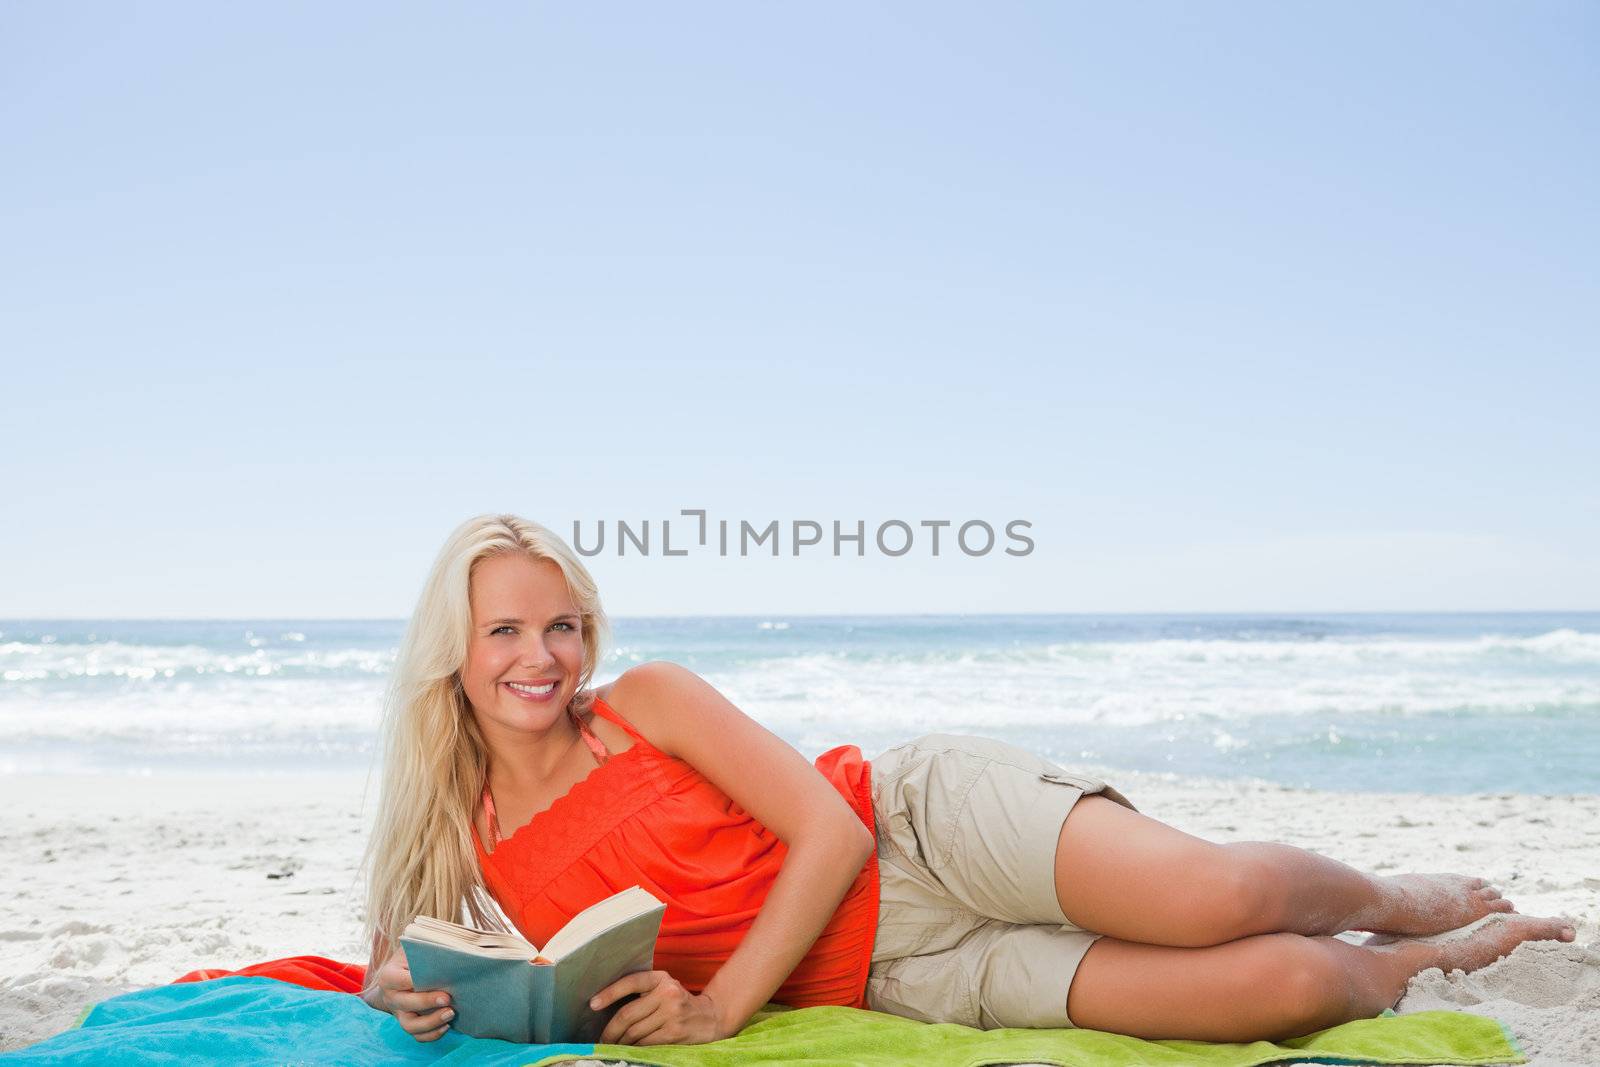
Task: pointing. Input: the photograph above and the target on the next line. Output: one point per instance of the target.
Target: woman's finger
(394, 980)
(425, 1000)
(630, 1014)
(640, 982)
(636, 1034)
(417, 1022)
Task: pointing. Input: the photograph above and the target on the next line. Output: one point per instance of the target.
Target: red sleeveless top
(645, 818)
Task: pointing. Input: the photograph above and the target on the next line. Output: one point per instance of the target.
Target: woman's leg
(1134, 878)
(1270, 986)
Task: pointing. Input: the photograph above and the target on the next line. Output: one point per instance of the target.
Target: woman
(950, 879)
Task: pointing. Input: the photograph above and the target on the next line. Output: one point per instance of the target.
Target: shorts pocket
(919, 931)
(1077, 781)
(898, 837)
(930, 989)
(1087, 785)
(925, 800)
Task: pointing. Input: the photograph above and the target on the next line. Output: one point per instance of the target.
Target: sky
(1244, 307)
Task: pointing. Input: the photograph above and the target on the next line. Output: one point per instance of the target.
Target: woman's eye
(497, 629)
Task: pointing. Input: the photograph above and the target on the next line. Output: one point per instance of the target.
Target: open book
(502, 986)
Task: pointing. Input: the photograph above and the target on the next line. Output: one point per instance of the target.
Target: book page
(597, 918)
(489, 943)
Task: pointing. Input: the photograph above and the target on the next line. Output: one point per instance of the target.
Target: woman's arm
(686, 717)
(814, 878)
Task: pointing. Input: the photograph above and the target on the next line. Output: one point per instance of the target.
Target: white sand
(118, 883)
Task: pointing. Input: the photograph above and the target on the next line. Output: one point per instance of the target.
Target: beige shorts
(969, 927)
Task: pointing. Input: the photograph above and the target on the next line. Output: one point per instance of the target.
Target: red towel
(313, 972)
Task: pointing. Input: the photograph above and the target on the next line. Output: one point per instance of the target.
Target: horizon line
(1274, 613)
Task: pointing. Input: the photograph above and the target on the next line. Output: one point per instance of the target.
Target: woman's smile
(536, 694)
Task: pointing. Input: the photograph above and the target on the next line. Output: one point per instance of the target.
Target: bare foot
(1494, 937)
(1423, 904)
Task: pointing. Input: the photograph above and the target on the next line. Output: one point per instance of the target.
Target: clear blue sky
(1244, 307)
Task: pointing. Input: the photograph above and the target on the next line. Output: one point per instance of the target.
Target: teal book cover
(519, 1000)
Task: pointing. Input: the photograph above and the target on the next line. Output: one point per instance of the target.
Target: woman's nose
(534, 654)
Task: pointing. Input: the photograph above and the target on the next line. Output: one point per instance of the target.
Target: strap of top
(489, 818)
(609, 713)
(596, 746)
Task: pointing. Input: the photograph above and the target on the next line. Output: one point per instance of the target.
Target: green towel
(850, 1037)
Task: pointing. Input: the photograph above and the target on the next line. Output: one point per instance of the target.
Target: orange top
(645, 818)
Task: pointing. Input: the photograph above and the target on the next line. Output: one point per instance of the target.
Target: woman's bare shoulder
(639, 683)
(630, 696)
(643, 695)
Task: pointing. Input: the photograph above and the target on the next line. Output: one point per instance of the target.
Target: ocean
(1456, 703)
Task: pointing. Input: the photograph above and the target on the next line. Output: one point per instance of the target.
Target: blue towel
(260, 1020)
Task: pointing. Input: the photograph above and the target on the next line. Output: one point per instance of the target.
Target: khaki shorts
(969, 927)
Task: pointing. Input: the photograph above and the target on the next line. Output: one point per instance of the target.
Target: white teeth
(532, 690)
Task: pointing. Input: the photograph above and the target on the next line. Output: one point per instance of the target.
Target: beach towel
(311, 1018)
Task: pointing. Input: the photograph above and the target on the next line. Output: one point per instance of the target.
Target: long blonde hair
(420, 859)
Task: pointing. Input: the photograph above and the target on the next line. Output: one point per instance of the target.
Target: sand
(118, 883)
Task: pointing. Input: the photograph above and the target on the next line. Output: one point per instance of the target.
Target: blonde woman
(950, 879)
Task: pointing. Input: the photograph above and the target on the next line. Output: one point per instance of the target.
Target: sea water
(1499, 703)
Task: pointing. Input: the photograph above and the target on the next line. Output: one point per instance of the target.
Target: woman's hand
(665, 1013)
(424, 1015)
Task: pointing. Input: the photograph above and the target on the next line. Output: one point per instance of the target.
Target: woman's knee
(1305, 984)
(1234, 899)
(1293, 985)
(1256, 896)
(1228, 894)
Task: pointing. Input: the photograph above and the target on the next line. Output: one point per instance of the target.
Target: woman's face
(526, 634)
